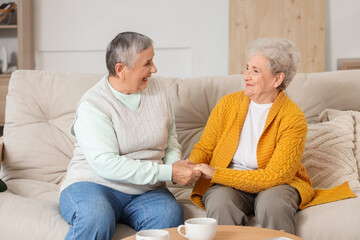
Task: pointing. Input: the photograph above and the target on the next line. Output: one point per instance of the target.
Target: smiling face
(260, 83)
(134, 79)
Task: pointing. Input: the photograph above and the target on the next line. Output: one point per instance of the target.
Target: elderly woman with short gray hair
(251, 149)
(126, 149)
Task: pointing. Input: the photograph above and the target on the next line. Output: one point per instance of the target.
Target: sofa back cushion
(193, 99)
(41, 107)
(315, 92)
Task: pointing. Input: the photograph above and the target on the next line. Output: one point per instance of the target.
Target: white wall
(342, 31)
(190, 37)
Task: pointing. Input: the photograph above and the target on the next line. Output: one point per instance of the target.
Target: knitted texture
(141, 134)
(329, 151)
(279, 151)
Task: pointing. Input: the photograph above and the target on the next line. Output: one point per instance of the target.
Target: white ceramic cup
(152, 234)
(199, 228)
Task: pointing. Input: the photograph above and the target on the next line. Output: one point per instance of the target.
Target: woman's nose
(246, 75)
(153, 69)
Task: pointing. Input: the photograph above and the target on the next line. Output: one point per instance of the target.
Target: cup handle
(179, 230)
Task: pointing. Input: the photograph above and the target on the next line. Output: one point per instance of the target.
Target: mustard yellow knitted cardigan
(279, 152)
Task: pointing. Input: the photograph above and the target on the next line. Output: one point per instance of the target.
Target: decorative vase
(4, 59)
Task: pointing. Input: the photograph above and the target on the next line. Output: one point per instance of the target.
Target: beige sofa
(37, 146)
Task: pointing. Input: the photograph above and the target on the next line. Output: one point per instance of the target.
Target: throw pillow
(357, 138)
(329, 150)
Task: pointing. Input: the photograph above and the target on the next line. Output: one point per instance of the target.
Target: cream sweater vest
(142, 134)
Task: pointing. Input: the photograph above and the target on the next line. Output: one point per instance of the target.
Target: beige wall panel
(301, 21)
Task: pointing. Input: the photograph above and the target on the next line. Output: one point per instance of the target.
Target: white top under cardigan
(245, 155)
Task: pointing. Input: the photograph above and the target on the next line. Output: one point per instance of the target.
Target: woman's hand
(207, 171)
(184, 173)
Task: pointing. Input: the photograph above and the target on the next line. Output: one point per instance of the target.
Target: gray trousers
(274, 208)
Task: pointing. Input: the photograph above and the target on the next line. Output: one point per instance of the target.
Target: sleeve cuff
(220, 178)
(165, 172)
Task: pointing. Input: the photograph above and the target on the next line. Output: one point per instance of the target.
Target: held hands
(207, 171)
(184, 173)
(187, 173)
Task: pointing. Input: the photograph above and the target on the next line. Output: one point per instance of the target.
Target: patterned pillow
(357, 138)
(329, 155)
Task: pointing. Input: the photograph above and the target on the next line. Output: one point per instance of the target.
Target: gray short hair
(123, 48)
(282, 55)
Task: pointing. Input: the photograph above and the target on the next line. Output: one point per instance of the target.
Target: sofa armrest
(1, 148)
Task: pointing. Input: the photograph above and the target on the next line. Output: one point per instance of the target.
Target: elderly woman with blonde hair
(251, 149)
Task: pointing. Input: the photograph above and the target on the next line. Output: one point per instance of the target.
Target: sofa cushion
(30, 218)
(357, 139)
(329, 155)
(335, 220)
(182, 195)
(193, 100)
(43, 104)
(40, 108)
(38, 218)
(314, 92)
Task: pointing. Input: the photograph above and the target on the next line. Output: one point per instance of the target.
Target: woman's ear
(119, 69)
(279, 78)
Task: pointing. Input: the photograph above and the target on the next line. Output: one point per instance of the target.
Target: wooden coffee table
(225, 232)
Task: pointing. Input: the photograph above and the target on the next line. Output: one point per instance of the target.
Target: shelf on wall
(348, 63)
(6, 75)
(25, 46)
(8, 26)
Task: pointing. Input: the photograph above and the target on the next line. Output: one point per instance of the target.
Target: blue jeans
(93, 210)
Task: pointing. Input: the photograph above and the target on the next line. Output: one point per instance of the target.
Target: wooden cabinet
(23, 32)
